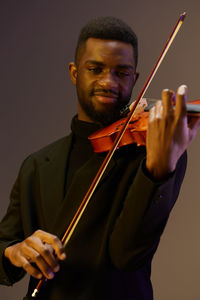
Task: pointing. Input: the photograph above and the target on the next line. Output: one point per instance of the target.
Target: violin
(135, 133)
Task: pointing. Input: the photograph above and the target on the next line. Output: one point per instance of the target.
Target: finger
(181, 97)
(54, 241)
(45, 265)
(26, 265)
(193, 122)
(167, 100)
(194, 125)
(41, 254)
(158, 110)
(174, 99)
(152, 114)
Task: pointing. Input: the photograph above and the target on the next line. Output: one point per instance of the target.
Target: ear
(72, 72)
(136, 75)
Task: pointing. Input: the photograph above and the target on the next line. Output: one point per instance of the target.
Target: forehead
(108, 52)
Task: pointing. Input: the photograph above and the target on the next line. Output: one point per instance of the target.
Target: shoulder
(52, 148)
(49, 152)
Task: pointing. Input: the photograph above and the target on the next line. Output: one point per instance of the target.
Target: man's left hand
(169, 133)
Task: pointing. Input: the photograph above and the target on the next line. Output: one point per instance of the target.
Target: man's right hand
(41, 248)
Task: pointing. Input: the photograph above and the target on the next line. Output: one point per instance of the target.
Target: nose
(108, 81)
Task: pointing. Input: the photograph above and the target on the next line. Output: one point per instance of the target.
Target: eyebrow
(100, 64)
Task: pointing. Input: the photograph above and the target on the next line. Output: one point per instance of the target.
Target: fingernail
(63, 255)
(51, 275)
(57, 268)
(182, 90)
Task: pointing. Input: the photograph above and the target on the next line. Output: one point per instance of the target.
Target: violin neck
(193, 107)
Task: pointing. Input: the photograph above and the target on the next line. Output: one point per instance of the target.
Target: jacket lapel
(77, 190)
(56, 211)
(51, 172)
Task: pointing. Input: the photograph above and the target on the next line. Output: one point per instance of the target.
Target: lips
(106, 98)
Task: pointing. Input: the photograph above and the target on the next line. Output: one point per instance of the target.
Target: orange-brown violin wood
(102, 140)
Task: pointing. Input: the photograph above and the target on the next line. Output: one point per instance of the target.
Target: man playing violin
(110, 252)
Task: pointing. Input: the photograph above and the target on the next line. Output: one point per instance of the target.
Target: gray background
(37, 101)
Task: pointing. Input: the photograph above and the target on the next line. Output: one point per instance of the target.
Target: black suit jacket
(109, 255)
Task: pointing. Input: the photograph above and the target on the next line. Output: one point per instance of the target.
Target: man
(109, 255)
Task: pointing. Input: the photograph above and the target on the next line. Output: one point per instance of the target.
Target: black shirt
(81, 149)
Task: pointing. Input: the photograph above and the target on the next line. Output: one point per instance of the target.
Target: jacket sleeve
(137, 231)
(11, 232)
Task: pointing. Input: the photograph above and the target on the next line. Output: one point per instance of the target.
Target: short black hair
(108, 28)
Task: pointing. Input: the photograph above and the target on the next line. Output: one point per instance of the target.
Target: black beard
(104, 118)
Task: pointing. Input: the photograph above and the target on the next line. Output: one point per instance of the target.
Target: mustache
(106, 92)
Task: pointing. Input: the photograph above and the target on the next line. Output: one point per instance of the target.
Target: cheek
(84, 88)
(83, 81)
(127, 88)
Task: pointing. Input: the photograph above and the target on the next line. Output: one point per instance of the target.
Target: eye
(95, 70)
(123, 73)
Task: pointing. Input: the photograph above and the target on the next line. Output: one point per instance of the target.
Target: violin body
(102, 140)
